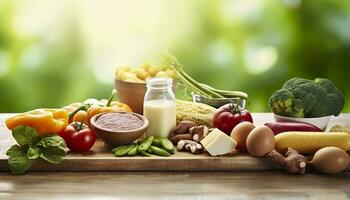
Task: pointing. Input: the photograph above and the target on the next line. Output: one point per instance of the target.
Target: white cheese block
(215, 133)
(218, 143)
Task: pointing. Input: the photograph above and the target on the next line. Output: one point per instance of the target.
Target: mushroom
(189, 145)
(199, 132)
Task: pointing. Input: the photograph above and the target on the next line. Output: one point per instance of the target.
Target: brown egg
(330, 160)
(240, 133)
(260, 141)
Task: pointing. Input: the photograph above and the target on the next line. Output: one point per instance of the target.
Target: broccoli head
(306, 98)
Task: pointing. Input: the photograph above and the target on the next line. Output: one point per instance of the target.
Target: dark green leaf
(15, 150)
(53, 155)
(33, 153)
(18, 161)
(52, 141)
(25, 135)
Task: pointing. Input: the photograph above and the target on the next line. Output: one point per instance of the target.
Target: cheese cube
(205, 141)
(218, 143)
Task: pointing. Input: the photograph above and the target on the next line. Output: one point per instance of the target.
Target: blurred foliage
(253, 46)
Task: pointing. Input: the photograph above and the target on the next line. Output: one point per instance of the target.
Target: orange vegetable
(85, 111)
(45, 121)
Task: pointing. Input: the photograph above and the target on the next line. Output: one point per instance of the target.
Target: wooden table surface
(177, 185)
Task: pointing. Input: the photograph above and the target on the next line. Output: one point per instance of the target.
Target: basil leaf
(18, 161)
(15, 150)
(53, 155)
(33, 153)
(25, 135)
(52, 141)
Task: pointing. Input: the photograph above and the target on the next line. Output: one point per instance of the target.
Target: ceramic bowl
(118, 138)
(320, 122)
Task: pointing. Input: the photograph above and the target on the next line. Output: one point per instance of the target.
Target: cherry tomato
(228, 116)
(79, 138)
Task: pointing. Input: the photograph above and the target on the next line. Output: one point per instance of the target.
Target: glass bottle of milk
(159, 107)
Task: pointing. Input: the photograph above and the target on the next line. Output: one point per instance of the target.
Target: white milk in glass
(159, 107)
(161, 115)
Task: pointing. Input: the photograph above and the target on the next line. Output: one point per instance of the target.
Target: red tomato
(79, 138)
(228, 116)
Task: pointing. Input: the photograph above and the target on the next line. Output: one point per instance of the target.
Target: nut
(199, 132)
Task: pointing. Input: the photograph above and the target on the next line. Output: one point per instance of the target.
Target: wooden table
(176, 185)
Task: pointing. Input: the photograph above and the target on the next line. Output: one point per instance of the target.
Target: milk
(161, 115)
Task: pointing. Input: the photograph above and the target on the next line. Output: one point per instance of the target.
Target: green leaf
(52, 141)
(18, 161)
(53, 155)
(33, 153)
(15, 150)
(25, 135)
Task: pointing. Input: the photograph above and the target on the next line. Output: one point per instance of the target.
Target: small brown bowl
(118, 138)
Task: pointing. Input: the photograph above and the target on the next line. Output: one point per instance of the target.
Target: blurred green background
(53, 53)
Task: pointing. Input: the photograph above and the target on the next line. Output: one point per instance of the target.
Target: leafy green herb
(18, 161)
(53, 155)
(52, 141)
(25, 135)
(31, 147)
(33, 153)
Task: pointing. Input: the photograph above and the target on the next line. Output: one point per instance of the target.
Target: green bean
(156, 142)
(119, 147)
(146, 143)
(159, 151)
(166, 144)
(144, 153)
(123, 151)
(133, 151)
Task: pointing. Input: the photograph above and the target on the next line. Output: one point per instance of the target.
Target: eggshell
(240, 133)
(330, 160)
(260, 141)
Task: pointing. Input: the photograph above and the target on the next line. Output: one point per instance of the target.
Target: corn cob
(199, 113)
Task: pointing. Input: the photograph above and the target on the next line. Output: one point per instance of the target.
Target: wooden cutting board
(101, 159)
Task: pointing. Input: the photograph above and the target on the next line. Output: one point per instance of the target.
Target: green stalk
(184, 77)
(197, 85)
(226, 93)
(114, 92)
(189, 84)
(82, 107)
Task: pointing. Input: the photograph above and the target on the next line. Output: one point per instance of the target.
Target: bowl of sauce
(119, 128)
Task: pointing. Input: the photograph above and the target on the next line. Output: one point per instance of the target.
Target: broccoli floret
(335, 98)
(283, 102)
(306, 98)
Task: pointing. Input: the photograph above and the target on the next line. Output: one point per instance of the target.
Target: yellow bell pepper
(79, 112)
(113, 107)
(45, 121)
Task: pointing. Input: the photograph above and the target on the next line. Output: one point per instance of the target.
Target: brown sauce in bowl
(119, 122)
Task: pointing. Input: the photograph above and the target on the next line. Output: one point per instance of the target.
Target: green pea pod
(149, 151)
(144, 153)
(119, 147)
(146, 143)
(123, 151)
(156, 142)
(159, 151)
(167, 144)
(133, 151)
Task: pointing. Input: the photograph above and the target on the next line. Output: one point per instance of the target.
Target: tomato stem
(81, 125)
(234, 107)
